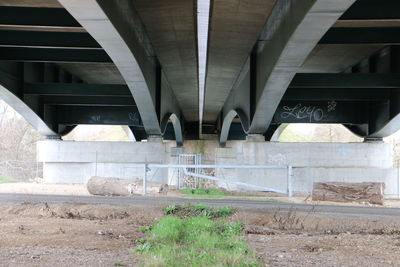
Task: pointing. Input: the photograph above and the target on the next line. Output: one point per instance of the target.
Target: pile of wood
(106, 186)
(349, 192)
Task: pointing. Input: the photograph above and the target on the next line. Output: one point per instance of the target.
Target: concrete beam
(110, 115)
(337, 94)
(170, 26)
(297, 28)
(346, 80)
(362, 35)
(77, 89)
(40, 54)
(34, 16)
(87, 101)
(44, 39)
(372, 10)
(234, 29)
(387, 117)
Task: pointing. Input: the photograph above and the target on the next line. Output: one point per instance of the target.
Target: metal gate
(186, 180)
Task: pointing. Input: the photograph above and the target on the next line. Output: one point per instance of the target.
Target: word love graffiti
(300, 112)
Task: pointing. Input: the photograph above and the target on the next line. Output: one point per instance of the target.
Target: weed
(224, 212)
(143, 248)
(289, 220)
(196, 241)
(145, 228)
(170, 209)
(199, 210)
(203, 192)
(392, 232)
(140, 241)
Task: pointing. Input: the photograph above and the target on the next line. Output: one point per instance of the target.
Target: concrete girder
(281, 53)
(171, 28)
(292, 31)
(234, 28)
(117, 28)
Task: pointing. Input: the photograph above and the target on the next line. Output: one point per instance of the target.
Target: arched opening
(114, 133)
(310, 132)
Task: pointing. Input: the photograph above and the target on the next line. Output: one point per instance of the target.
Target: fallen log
(106, 186)
(349, 192)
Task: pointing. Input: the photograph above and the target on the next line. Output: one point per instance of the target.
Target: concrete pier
(76, 162)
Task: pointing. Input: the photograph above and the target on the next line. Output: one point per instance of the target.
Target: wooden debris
(106, 186)
(349, 192)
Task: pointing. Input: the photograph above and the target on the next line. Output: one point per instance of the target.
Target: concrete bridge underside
(136, 63)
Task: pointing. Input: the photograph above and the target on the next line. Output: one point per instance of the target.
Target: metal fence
(196, 171)
(185, 180)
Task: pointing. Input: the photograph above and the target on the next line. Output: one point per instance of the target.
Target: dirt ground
(79, 234)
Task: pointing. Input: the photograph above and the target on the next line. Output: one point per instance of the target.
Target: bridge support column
(154, 139)
(373, 140)
(255, 138)
(54, 137)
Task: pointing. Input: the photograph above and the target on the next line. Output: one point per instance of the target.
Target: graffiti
(344, 150)
(134, 117)
(277, 159)
(95, 118)
(301, 112)
(332, 106)
(310, 113)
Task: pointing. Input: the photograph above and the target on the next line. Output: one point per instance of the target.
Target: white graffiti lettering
(300, 112)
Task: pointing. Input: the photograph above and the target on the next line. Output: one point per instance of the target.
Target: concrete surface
(76, 162)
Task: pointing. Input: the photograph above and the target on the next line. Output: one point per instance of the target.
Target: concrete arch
(227, 122)
(385, 130)
(278, 132)
(298, 27)
(176, 123)
(66, 129)
(113, 26)
(357, 130)
(26, 112)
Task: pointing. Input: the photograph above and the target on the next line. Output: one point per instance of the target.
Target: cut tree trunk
(105, 186)
(349, 192)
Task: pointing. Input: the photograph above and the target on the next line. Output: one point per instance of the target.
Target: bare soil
(81, 234)
(75, 234)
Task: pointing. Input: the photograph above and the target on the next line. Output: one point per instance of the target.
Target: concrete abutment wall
(76, 162)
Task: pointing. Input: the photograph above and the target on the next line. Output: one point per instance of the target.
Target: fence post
(289, 181)
(145, 179)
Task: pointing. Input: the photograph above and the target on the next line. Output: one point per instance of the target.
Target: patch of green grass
(196, 241)
(198, 210)
(4, 180)
(203, 193)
